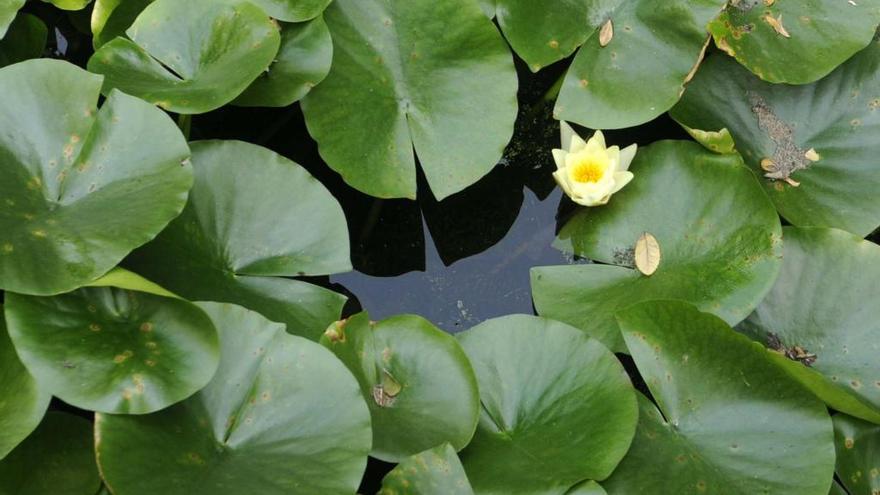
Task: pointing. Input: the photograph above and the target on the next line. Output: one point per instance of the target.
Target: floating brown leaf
(606, 33)
(647, 254)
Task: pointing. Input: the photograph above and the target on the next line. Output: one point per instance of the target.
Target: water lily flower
(588, 171)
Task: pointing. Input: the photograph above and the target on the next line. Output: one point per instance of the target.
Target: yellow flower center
(588, 171)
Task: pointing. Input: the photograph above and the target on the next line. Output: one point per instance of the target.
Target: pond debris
(606, 33)
(624, 257)
(776, 24)
(647, 254)
(385, 393)
(788, 157)
(795, 353)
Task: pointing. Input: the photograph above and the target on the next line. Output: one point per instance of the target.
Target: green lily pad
(57, 459)
(454, 102)
(190, 57)
(69, 4)
(293, 10)
(110, 18)
(795, 41)
(587, 488)
(8, 10)
(657, 42)
(835, 118)
(114, 350)
(858, 454)
(558, 407)
(433, 471)
(302, 62)
(22, 401)
(282, 415)
(415, 378)
(252, 218)
(836, 489)
(720, 243)
(80, 187)
(25, 39)
(542, 34)
(822, 314)
(729, 420)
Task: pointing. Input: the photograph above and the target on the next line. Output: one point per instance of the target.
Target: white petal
(562, 180)
(613, 154)
(577, 144)
(626, 157)
(559, 158)
(566, 133)
(621, 179)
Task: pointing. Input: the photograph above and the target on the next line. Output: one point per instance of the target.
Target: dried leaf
(647, 254)
(776, 24)
(606, 33)
(812, 155)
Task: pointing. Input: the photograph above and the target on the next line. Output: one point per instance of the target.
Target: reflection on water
(456, 296)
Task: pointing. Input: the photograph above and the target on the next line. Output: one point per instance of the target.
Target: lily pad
(719, 235)
(57, 459)
(729, 420)
(415, 378)
(543, 33)
(25, 39)
(252, 218)
(454, 102)
(69, 4)
(282, 415)
(779, 125)
(110, 18)
(81, 187)
(558, 407)
(795, 41)
(434, 471)
(8, 10)
(302, 62)
(658, 42)
(22, 401)
(822, 317)
(858, 454)
(114, 350)
(190, 57)
(587, 488)
(293, 10)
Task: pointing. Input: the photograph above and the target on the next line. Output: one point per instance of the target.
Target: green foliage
(724, 235)
(416, 379)
(182, 300)
(549, 393)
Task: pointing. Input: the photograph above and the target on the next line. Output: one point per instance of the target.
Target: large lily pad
(729, 420)
(823, 314)
(22, 401)
(719, 240)
(252, 218)
(302, 62)
(293, 10)
(454, 101)
(558, 407)
(835, 118)
(433, 471)
(858, 454)
(110, 18)
(69, 4)
(660, 42)
(282, 415)
(190, 57)
(8, 10)
(25, 39)
(114, 350)
(80, 187)
(416, 379)
(57, 459)
(795, 41)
